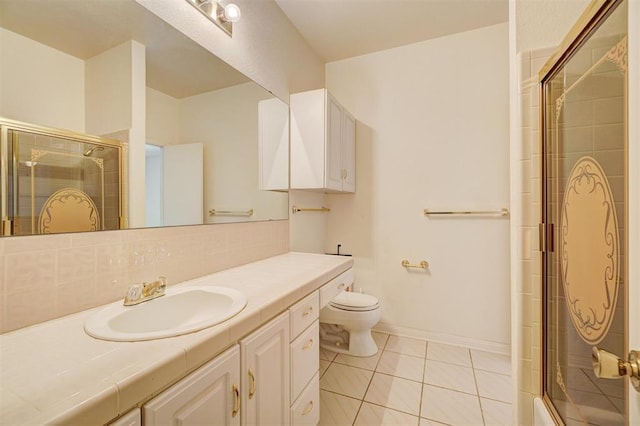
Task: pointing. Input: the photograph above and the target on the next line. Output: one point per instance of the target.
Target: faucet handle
(134, 293)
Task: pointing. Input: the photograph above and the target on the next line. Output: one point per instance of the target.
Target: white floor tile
(450, 376)
(489, 361)
(380, 338)
(323, 366)
(368, 363)
(407, 346)
(449, 354)
(427, 422)
(373, 415)
(337, 409)
(394, 392)
(496, 413)
(494, 386)
(327, 355)
(345, 380)
(400, 365)
(450, 407)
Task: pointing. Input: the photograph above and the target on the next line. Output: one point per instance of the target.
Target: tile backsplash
(46, 277)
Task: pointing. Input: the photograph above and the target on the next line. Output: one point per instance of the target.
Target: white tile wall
(45, 277)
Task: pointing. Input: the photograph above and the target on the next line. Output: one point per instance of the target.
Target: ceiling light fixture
(222, 16)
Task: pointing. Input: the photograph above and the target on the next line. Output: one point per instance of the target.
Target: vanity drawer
(305, 359)
(303, 314)
(306, 410)
(335, 286)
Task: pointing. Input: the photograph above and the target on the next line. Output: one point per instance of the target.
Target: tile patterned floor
(415, 382)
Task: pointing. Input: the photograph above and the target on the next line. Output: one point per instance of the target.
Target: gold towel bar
(501, 212)
(422, 265)
(214, 212)
(295, 209)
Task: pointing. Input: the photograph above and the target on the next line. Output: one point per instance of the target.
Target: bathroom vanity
(261, 366)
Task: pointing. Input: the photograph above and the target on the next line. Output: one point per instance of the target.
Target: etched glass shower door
(584, 215)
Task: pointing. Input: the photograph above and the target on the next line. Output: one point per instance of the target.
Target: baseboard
(448, 339)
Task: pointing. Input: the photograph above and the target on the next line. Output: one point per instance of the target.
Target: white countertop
(54, 373)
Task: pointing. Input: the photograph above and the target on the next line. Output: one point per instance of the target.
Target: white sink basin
(181, 310)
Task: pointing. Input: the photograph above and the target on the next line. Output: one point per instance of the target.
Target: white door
(208, 396)
(183, 184)
(264, 369)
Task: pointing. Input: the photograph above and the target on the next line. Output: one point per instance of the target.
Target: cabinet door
(334, 170)
(349, 152)
(265, 374)
(132, 418)
(208, 396)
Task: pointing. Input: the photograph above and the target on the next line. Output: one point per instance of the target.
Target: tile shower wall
(530, 282)
(45, 277)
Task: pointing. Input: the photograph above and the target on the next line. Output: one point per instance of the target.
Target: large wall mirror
(111, 118)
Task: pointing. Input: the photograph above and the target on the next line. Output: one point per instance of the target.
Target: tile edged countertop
(54, 373)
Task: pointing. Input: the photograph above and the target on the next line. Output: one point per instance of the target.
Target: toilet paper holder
(422, 265)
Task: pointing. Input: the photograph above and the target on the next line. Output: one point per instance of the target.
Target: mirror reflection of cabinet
(323, 136)
(114, 69)
(273, 145)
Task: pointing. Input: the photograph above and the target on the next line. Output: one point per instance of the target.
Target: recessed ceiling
(175, 65)
(338, 29)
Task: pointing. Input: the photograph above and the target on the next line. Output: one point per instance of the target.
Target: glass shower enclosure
(583, 234)
(57, 181)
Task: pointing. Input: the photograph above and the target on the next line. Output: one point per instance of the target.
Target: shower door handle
(609, 366)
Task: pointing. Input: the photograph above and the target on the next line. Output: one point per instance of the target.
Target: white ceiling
(175, 64)
(338, 29)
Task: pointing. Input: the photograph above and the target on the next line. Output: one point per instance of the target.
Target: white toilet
(346, 324)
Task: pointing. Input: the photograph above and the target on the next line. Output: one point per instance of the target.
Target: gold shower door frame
(8, 126)
(550, 233)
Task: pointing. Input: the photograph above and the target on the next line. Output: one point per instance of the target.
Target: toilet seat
(355, 302)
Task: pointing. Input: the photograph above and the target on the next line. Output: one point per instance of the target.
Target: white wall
(163, 118)
(544, 23)
(39, 84)
(432, 133)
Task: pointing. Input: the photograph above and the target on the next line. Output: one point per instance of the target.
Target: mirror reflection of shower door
(57, 183)
(585, 205)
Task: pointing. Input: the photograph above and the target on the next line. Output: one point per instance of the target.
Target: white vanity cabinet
(208, 396)
(246, 385)
(265, 374)
(132, 418)
(305, 361)
(323, 136)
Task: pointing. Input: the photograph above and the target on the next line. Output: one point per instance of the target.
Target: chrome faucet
(139, 293)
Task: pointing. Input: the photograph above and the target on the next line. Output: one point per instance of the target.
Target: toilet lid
(351, 301)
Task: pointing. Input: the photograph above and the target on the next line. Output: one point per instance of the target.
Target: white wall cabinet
(323, 136)
(208, 396)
